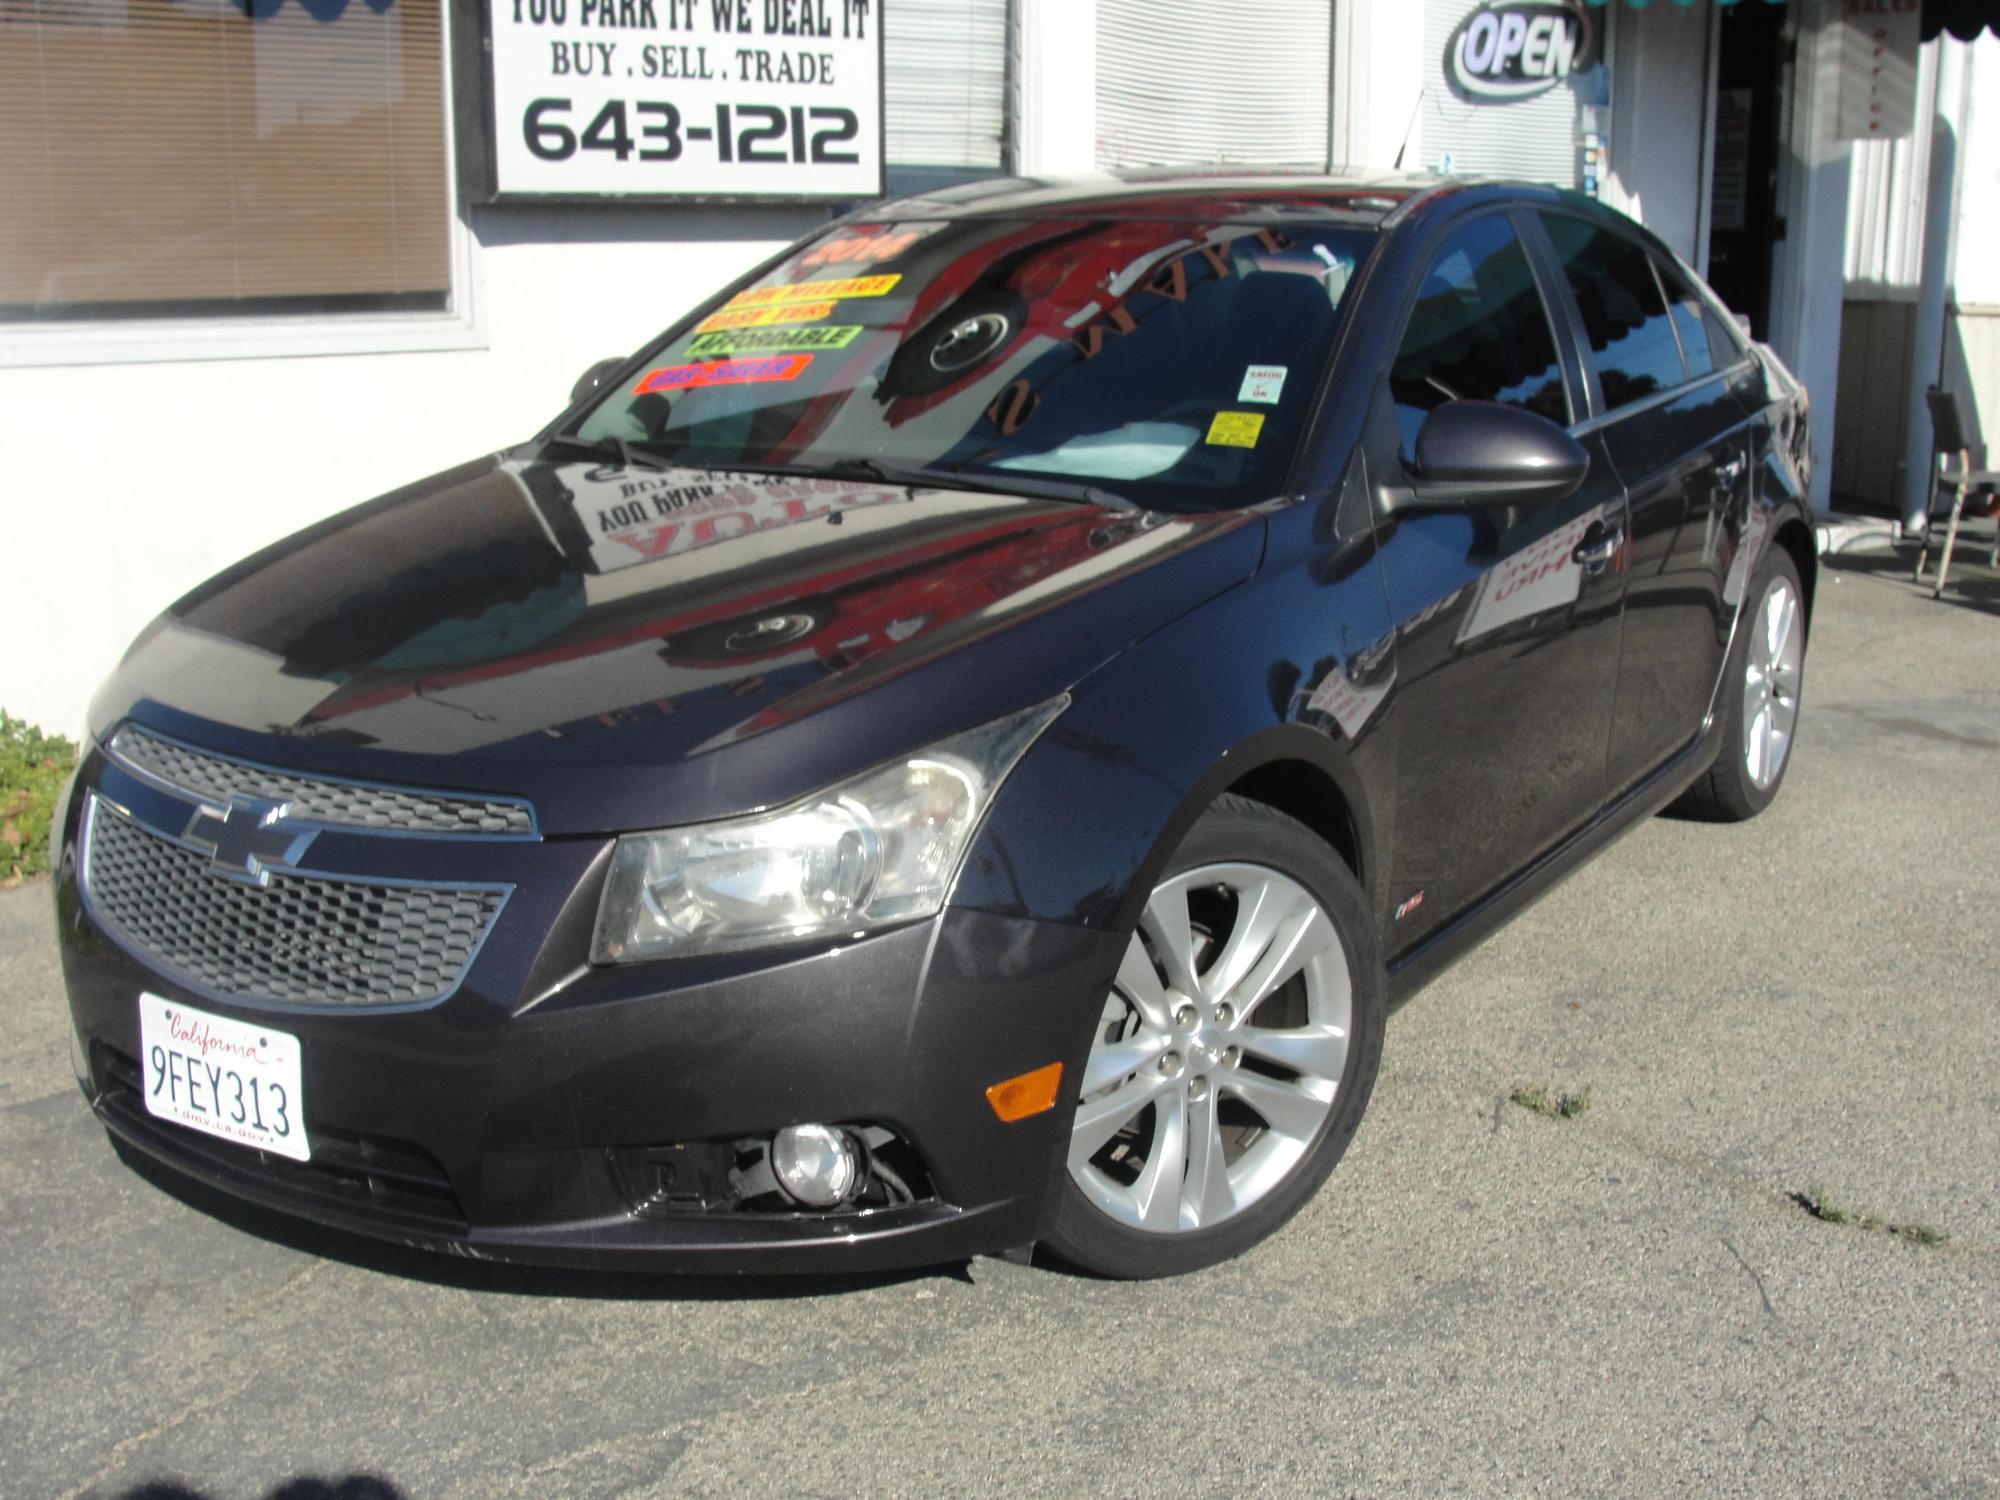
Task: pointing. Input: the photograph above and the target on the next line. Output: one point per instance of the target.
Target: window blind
(178, 156)
(1188, 85)
(945, 81)
(1538, 139)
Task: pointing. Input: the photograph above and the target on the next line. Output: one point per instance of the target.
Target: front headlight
(884, 847)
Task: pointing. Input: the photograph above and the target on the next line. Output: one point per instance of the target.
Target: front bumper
(486, 1125)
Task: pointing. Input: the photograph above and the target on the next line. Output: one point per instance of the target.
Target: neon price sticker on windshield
(759, 317)
(815, 291)
(1235, 429)
(723, 372)
(772, 340)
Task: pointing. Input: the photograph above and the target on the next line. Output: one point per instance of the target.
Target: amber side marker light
(1028, 1094)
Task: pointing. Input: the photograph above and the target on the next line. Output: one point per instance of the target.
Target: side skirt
(1412, 969)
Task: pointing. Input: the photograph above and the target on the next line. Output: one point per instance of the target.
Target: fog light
(816, 1164)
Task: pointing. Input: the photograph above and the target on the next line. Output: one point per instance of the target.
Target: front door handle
(1595, 554)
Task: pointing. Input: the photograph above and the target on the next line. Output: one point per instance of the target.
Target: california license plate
(221, 1076)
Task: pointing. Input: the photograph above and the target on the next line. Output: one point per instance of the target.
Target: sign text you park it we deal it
(1878, 69)
(734, 99)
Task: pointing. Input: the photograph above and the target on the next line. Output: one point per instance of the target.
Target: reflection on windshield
(1171, 361)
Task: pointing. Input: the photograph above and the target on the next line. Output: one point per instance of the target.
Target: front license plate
(214, 1074)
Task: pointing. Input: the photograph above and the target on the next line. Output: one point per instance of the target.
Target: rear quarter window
(1686, 310)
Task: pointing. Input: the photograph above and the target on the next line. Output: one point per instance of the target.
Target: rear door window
(1625, 319)
(1478, 332)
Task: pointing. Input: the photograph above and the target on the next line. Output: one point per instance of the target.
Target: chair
(1948, 438)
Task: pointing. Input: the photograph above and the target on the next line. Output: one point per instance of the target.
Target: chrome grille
(339, 804)
(304, 939)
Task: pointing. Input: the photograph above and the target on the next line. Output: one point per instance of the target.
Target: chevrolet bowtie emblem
(246, 838)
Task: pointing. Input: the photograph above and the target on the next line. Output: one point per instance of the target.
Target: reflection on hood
(514, 601)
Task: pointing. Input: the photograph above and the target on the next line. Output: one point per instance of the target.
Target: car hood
(630, 647)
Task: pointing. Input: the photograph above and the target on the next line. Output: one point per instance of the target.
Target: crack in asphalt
(115, 1455)
(1751, 1271)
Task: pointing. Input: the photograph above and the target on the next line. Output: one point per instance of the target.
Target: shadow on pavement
(305, 1487)
(438, 1269)
(1972, 585)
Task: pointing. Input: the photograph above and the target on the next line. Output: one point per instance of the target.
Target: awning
(1642, 4)
(1964, 19)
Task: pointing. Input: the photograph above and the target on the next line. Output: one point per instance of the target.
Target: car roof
(1365, 199)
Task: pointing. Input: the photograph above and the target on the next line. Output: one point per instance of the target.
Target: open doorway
(1745, 223)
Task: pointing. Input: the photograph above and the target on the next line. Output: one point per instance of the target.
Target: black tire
(1729, 793)
(1239, 832)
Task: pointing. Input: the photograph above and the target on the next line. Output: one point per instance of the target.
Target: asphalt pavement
(1483, 1301)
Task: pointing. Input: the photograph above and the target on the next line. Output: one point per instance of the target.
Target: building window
(1205, 85)
(945, 91)
(176, 158)
(1548, 136)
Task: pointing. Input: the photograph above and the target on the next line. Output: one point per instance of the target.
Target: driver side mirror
(595, 376)
(1480, 454)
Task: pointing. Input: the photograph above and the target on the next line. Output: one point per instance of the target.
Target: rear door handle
(1729, 473)
(1596, 555)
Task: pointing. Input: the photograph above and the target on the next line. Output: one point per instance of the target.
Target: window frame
(222, 336)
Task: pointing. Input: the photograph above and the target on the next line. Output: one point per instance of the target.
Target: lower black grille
(301, 938)
(391, 1176)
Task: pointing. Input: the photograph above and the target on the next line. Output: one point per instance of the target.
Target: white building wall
(1885, 364)
(1662, 118)
(1378, 84)
(1976, 272)
(1055, 88)
(1812, 191)
(124, 485)
(1972, 332)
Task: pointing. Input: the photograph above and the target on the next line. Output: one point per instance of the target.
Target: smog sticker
(724, 372)
(762, 317)
(1235, 429)
(772, 340)
(815, 291)
(1263, 384)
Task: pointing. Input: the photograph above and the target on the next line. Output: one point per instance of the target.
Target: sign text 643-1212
(695, 98)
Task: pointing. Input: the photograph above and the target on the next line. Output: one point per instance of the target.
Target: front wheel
(1761, 692)
(1234, 1056)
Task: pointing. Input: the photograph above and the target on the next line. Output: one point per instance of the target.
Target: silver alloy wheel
(1771, 683)
(1223, 1042)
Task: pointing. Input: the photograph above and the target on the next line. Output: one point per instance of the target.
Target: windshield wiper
(949, 479)
(612, 449)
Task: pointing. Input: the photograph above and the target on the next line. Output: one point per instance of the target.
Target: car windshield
(1170, 363)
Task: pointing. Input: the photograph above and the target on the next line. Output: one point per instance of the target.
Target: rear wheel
(1761, 692)
(1234, 1056)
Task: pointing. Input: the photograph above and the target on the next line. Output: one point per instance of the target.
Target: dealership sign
(777, 99)
(1515, 49)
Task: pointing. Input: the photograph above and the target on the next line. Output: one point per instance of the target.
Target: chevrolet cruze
(956, 746)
